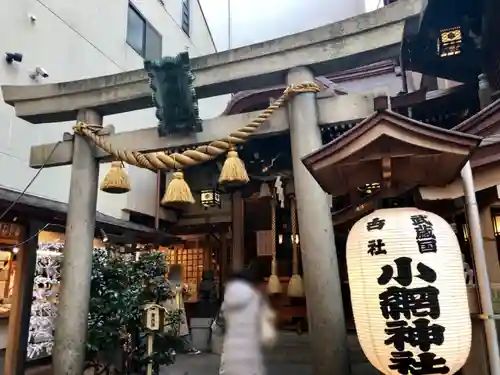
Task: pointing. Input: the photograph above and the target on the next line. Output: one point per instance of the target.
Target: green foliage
(119, 288)
(174, 96)
(111, 302)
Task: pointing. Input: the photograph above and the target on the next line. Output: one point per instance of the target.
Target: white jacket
(242, 347)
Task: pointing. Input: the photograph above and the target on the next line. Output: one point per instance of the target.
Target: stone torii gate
(357, 41)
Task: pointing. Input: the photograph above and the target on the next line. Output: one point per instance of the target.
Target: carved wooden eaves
(393, 150)
(484, 123)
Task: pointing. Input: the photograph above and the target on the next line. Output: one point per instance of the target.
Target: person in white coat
(248, 326)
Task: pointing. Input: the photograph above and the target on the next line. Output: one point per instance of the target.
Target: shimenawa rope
(155, 161)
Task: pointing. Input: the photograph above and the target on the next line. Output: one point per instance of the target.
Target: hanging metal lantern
(408, 292)
(449, 42)
(210, 198)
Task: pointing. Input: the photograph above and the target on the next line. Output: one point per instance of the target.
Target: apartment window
(142, 36)
(185, 16)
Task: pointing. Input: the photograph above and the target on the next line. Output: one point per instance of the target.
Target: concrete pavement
(291, 357)
(208, 364)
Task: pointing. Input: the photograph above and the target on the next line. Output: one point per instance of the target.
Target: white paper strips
(45, 296)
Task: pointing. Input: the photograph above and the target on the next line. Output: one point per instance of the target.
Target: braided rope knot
(162, 160)
(305, 87)
(78, 128)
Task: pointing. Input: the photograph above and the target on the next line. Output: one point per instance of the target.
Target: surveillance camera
(39, 72)
(13, 56)
(32, 17)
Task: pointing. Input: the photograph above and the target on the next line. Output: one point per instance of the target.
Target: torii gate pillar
(73, 308)
(319, 257)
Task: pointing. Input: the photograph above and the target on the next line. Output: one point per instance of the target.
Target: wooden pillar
(207, 253)
(20, 313)
(175, 256)
(238, 220)
(223, 256)
(490, 244)
(223, 262)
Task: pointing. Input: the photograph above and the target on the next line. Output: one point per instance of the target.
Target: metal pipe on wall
(482, 278)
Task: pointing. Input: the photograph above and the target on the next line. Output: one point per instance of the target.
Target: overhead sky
(259, 20)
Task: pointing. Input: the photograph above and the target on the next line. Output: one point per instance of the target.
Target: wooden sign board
(153, 317)
(9, 232)
(265, 240)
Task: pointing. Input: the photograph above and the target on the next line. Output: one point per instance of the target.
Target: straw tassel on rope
(177, 192)
(295, 285)
(274, 284)
(116, 180)
(233, 171)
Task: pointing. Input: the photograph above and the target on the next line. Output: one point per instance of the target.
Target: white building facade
(78, 39)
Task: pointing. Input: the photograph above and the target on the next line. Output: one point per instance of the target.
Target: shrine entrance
(376, 150)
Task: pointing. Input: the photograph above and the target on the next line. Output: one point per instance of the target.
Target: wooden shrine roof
(484, 123)
(39, 207)
(391, 149)
(484, 160)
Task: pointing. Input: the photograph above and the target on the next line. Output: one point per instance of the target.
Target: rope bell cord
(295, 285)
(274, 284)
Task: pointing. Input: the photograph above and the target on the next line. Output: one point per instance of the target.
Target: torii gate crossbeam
(357, 41)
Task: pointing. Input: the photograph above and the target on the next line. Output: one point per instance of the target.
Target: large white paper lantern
(408, 292)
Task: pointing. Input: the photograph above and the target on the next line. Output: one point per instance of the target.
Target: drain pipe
(482, 279)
